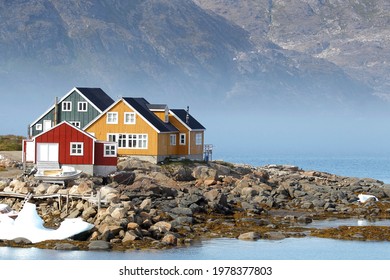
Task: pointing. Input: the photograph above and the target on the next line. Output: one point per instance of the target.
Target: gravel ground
(11, 172)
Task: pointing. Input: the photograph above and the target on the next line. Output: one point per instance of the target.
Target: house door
(47, 152)
(30, 151)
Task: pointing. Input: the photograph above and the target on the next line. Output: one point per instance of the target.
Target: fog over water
(243, 125)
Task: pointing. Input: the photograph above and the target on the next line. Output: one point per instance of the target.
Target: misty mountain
(257, 54)
(354, 35)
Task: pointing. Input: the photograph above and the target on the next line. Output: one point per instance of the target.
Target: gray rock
(205, 173)
(252, 236)
(169, 239)
(99, 245)
(180, 211)
(66, 246)
(130, 236)
(304, 219)
(181, 221)
(161, 227)
(146, 204)
(123, 177)
(274, 235)
(21, 240)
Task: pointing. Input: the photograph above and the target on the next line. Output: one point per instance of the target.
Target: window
(76, 124)
(109, 150)
(172, 138)
(47, 124)
(142, 141)
(38, 126)
(112, 118)
(198, 139)
(129, 141)
(111, 137)
(129, 118)
(67, 106)
(76, 148)
(182, 139)
(82, 106)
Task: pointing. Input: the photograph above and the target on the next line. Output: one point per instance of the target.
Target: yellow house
(151, 132)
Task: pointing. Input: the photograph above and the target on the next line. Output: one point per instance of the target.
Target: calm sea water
(377, 167)
(227, 249)
(372, 166)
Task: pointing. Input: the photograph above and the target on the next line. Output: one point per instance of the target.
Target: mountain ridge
(177, 52)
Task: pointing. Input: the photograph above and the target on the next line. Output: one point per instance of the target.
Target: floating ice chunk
(29, 225)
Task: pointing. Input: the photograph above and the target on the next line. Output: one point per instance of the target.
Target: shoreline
(177, 203)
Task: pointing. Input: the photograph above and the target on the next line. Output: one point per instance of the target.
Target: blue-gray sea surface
(226, 249)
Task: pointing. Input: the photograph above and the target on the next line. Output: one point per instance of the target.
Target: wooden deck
(92, 199)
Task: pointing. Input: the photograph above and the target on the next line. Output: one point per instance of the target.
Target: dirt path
(12, 155)
(11, 172)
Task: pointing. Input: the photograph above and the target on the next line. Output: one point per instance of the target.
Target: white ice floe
(364, 197)
(29, 225)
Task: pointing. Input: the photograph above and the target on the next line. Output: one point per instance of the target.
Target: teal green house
(79, 107)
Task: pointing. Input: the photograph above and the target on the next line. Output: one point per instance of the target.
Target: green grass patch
(11, 142)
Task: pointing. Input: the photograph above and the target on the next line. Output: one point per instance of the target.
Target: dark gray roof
(192, 122)
(156, 106)
(141, 106)
(97, 96)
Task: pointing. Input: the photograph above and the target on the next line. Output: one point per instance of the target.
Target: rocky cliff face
(208, 52)
(351, 34)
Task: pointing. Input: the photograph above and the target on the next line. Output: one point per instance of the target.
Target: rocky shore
(176, 203)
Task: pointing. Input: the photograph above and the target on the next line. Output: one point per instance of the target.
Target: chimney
(188, 115)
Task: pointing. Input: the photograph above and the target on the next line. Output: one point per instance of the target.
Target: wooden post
(98, 199)
(67, 202)
(59, 202)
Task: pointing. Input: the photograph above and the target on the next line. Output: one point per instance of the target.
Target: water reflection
(333, 223)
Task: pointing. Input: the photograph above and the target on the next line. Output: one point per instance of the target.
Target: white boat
(8, 211)
(28, 224)
(62, 174)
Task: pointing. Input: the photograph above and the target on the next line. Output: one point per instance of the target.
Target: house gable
(79, 106)
(66, 135)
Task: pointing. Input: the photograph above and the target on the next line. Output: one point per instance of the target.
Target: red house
(66, 144)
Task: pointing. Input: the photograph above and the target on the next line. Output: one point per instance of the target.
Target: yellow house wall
(196, 149)
(190, 139)
(100, 128)
(160, 115)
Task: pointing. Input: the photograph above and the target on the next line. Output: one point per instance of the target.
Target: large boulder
(131, 164)
(205, 173)
(123, 177)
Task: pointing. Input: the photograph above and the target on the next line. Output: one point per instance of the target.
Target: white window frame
(38, 127)
(172, 139)
(112, 137)
(110, 150)
(142, 141)
(76, 148)
(76, 123)
(182, 138)
(129, 118)
(198, 139)
(82, 106)
(129, 140)
(66, 106)
(47, 124)
(112, 118)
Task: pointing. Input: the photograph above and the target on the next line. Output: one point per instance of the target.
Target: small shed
(66, 144)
